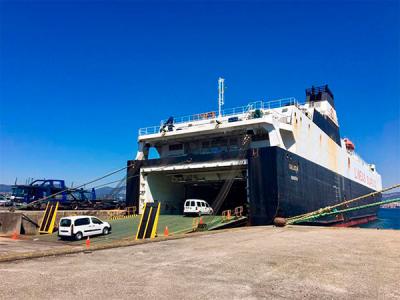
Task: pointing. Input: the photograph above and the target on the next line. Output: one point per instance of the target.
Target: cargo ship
(279, 158)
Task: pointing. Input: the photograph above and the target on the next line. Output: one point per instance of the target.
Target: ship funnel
(320, 93)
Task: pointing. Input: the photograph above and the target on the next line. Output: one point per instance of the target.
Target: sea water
(388, 218)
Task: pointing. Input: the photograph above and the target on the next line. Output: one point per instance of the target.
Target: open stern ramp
(173, 184)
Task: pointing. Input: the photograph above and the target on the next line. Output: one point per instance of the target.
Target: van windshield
(65, 223)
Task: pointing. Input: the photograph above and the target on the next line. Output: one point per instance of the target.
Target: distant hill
(388, 196)
(106, 190)
(5, 188)
(103, 191)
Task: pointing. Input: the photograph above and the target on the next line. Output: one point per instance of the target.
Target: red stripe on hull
(356, 222)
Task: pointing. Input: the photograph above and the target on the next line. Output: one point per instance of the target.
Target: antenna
(220, 95)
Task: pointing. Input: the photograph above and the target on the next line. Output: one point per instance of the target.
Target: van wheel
(78, 236)
(105, 230)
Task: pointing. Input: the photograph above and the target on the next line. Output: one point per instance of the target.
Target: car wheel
(78, 236)
(106, 230)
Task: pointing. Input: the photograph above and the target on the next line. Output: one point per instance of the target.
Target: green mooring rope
(335, 212)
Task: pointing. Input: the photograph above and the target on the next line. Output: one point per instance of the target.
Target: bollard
(280, 222)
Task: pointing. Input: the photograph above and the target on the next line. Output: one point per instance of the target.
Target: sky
(78, 78)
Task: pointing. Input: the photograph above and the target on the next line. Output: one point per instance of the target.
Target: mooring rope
(329, 208)
(342, 211)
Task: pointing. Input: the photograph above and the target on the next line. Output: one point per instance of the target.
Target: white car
(78, 227)
(197, 207)
(5, 202)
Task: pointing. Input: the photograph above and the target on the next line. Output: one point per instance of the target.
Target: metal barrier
(239, 211)
(130, 210)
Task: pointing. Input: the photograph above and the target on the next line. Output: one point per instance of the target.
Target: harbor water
(388, 218)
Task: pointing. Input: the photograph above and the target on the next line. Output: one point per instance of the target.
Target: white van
(197, 207)
(81, 226)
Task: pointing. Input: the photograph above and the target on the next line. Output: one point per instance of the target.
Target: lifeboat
(349, 144)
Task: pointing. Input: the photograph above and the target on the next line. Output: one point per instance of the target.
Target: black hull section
(280, 183)
(285, 185)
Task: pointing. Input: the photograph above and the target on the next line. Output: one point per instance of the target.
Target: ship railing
(240, 110)
(149, 130)
(236, 110)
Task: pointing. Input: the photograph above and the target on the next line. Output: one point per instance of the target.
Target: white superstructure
(309, 130)
(286, 124)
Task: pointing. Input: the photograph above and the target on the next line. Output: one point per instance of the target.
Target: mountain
(387, 196)
(107, 190)
(5, 188)
(103, 191)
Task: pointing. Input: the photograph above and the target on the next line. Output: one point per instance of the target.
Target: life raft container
(349, 144)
